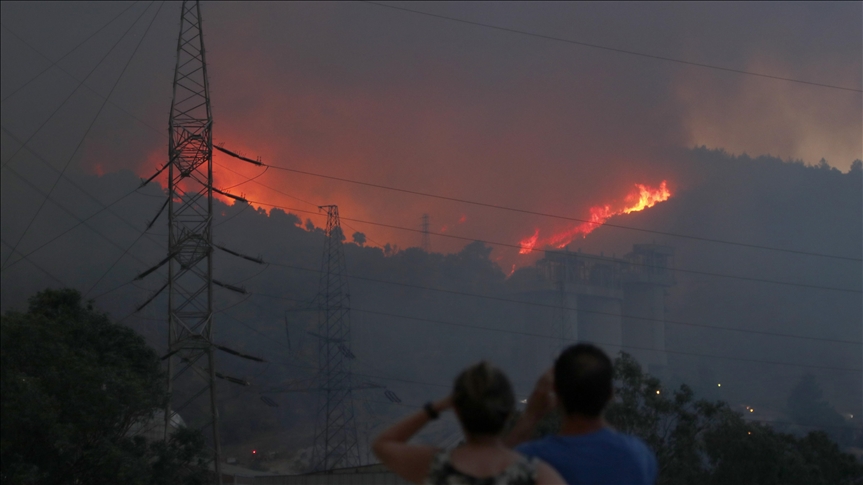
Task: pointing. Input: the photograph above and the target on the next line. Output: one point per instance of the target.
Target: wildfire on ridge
(642, 198)
(528, 244)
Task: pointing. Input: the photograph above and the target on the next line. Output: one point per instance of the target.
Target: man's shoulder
(629, 440)
(607, 439)
(605, 456)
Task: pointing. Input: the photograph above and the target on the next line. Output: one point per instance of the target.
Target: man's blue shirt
(604, 457)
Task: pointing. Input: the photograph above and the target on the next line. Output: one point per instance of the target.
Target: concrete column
(600, 323)
(644, 337)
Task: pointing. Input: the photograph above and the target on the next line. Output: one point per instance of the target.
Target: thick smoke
(761, 201)
(368, 93)
(365, 93)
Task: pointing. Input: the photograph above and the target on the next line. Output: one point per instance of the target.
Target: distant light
(657, 391)
(751, 410)
(718, 385)
(524, 401)
(254, 451)
(749, 432)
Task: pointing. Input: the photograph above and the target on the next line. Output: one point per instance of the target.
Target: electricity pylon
(426, 241)
(190, 238)
(335, 427)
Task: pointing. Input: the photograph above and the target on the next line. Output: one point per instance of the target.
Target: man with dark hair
(586, 451)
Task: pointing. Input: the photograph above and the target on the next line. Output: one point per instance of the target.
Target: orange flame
(528, 244)
(645, 197)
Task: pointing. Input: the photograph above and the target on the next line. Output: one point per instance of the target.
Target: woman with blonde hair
(483, 401)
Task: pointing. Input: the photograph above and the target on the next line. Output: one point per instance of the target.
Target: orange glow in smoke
(641, 198)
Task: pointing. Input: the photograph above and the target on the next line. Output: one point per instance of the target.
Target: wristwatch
(431, 411)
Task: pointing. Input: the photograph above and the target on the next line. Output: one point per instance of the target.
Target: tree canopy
(72, 386)
(697, 441)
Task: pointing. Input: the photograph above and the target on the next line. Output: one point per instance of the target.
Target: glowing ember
(642, 198)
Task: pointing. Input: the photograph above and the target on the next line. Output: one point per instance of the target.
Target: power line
(557, 216)
(90, 127)
(93, 91)
(587, 256)
(84, 191)
(531, 212)
(529, 334)
(53, 63)
(68, 211)
(124, 253)
(508, 300)
(745, 418)
(81, 83)
(614, 49)
(34, 264)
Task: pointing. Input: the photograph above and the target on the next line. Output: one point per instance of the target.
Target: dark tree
(72, 386)
(807, 407)
(698, 441)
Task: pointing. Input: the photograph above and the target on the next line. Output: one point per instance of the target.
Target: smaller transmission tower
(336, 443)
(426, 242)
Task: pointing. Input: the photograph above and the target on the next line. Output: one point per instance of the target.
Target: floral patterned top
(441, 472)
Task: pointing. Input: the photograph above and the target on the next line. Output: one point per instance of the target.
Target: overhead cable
(89, 127)
(562, 217)
(617, 50)
(70, 51)
(586, 256)
(594, 312)
(520, 333)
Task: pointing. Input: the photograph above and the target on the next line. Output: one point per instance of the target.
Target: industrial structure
(616, 303)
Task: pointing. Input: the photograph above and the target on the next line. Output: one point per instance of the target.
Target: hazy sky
(366, 92)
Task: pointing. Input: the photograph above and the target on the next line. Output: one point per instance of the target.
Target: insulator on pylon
(258, 260)
(241, 382)
(392, 396)
(142, 305)
(227, 286)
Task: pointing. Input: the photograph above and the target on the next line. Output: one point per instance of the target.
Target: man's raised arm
(540, 402)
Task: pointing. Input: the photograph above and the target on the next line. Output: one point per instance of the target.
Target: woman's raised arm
(408, 461)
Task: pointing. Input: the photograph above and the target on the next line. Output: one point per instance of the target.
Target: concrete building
(615, 303)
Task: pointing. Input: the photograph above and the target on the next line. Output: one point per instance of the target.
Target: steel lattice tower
(336, 443)
(426, 241)
(190, 238)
